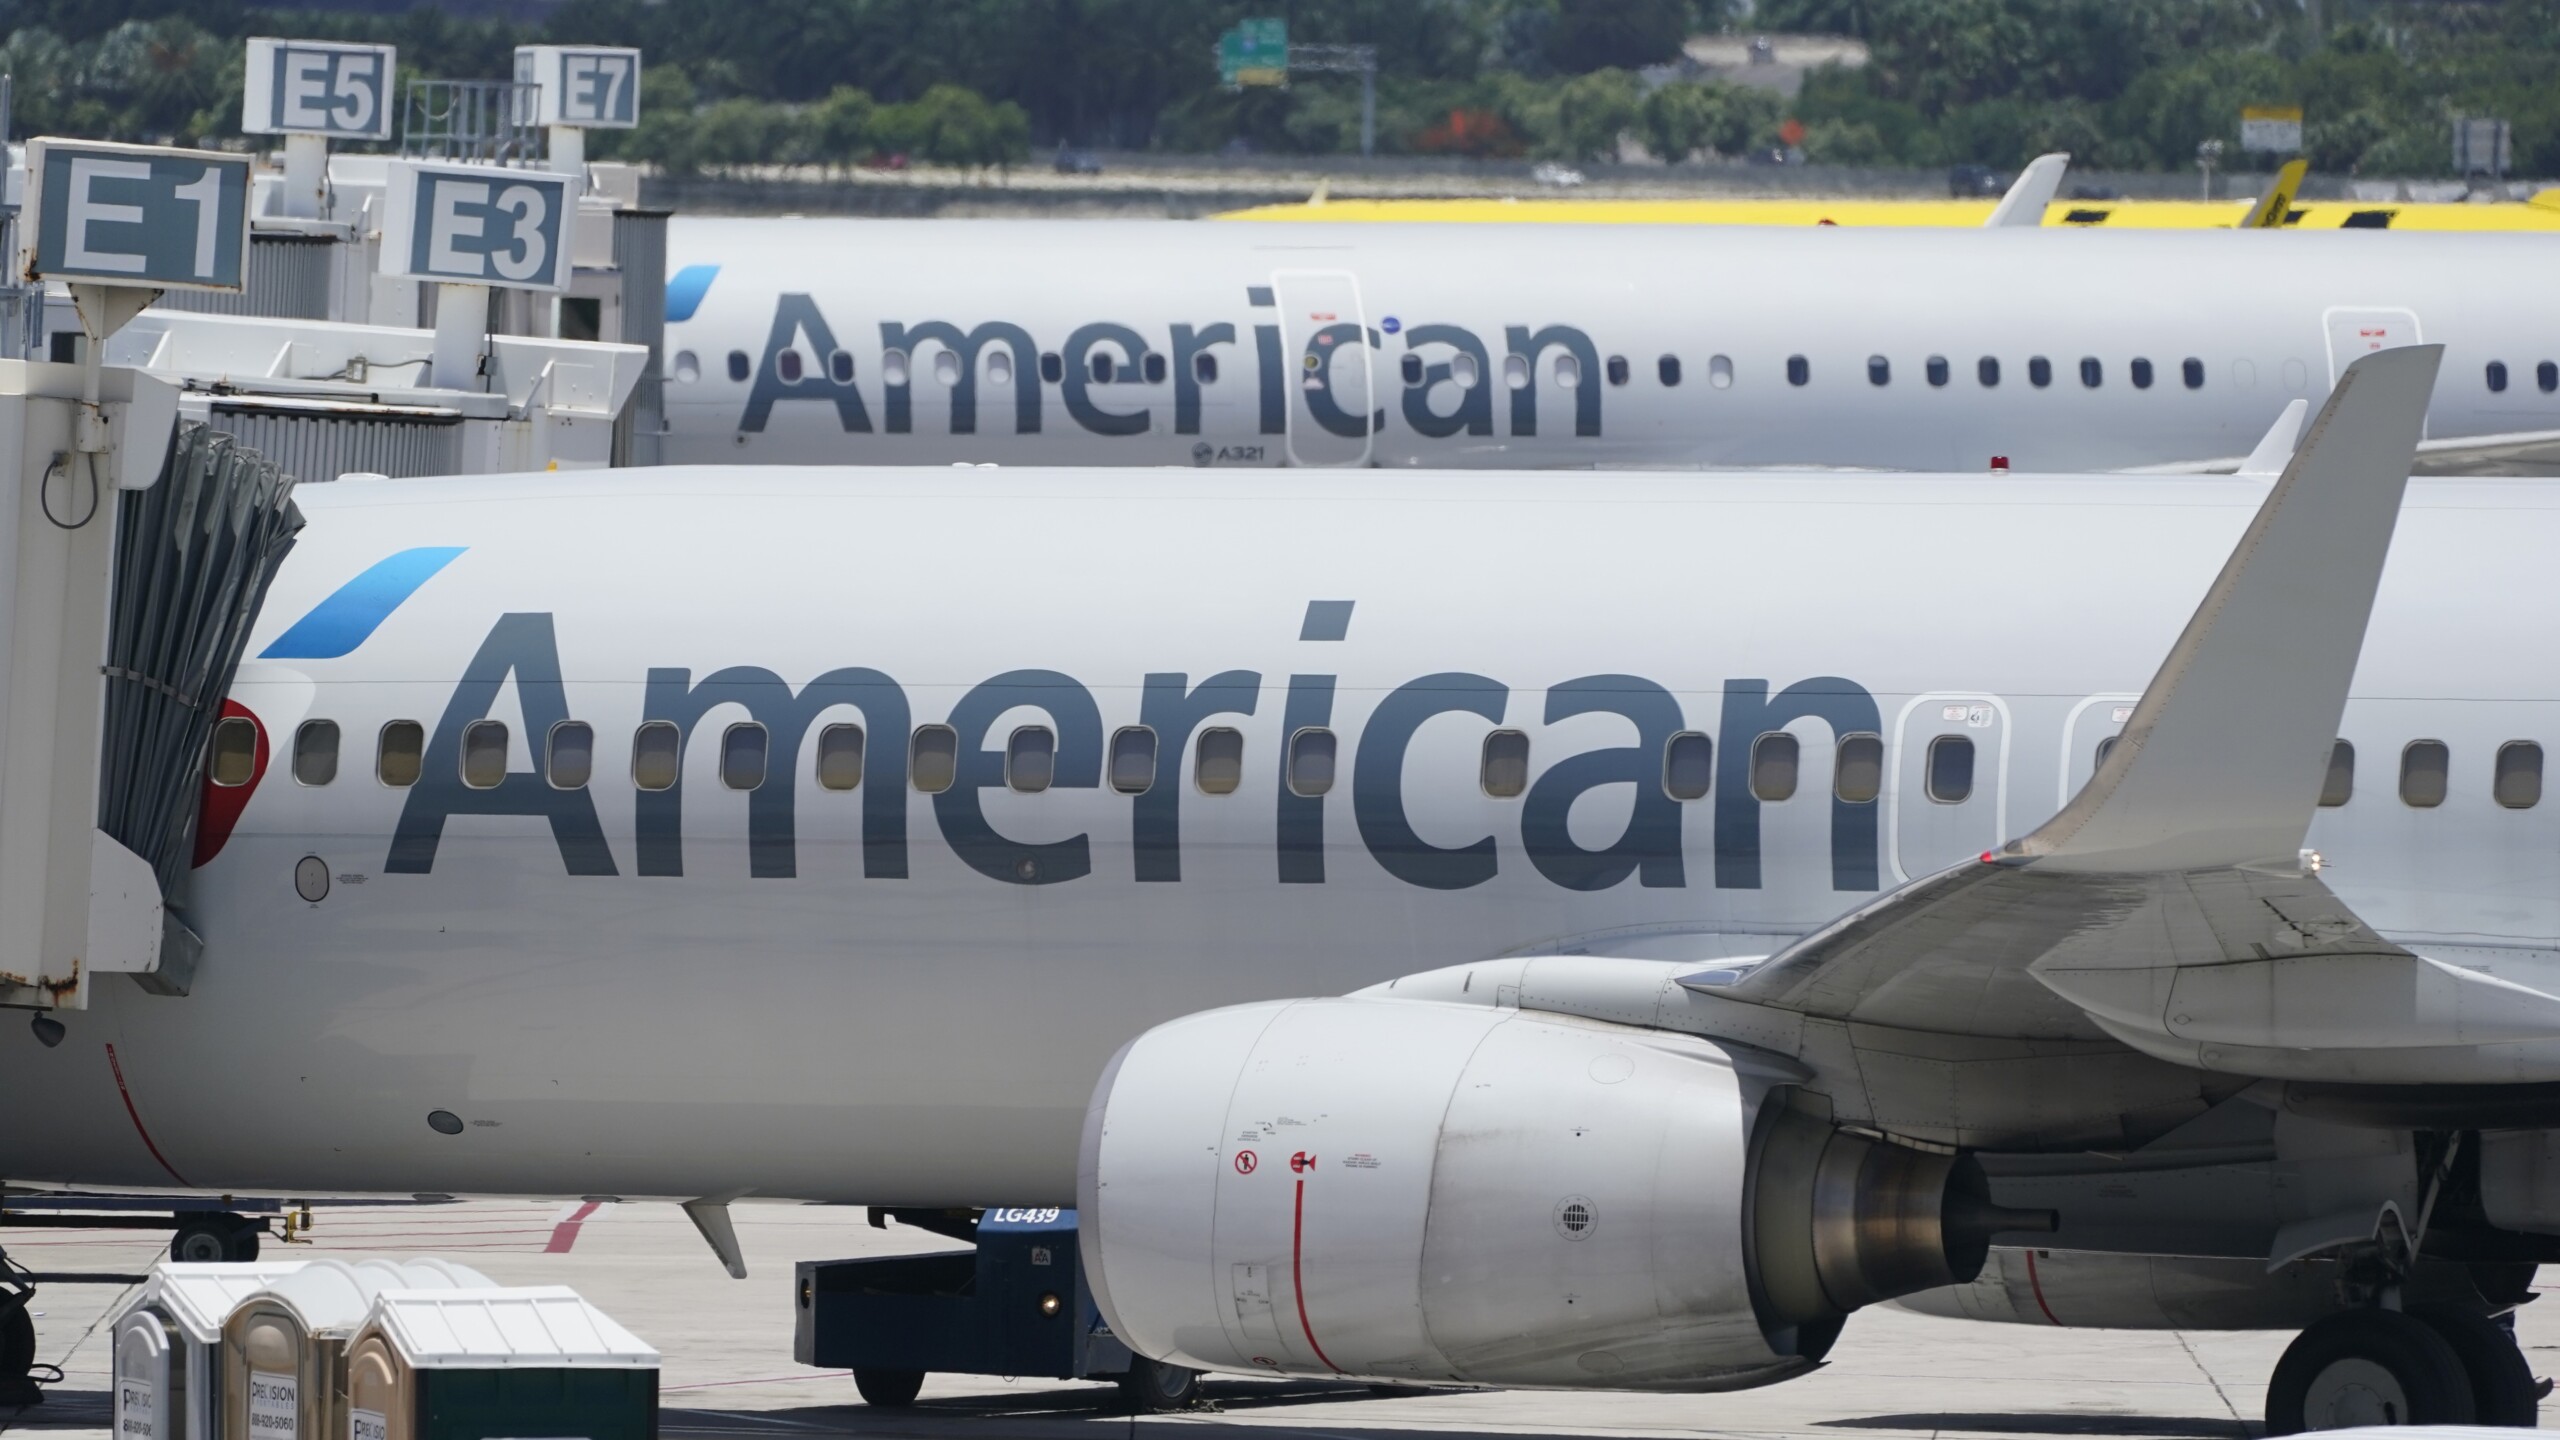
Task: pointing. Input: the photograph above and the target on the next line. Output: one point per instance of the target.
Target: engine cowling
(1414, 1190)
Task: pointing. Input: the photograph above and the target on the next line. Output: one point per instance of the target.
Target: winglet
(2275, 448)
(2272, 208)
(2223, 760)
(2033, 190)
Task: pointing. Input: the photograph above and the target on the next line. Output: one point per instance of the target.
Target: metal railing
(489, 120)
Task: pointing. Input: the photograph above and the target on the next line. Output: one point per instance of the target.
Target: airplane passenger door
(2094, 722)
(1326, 341)
(2356, 331)
(1950, 754)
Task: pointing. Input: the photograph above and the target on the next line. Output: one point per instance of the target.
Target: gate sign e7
(314, 87)
(138, 215)
(594, 86)
(478, 225)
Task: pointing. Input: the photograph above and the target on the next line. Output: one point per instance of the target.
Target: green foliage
(1591, 111)
(1613, 34)
(1680, 119)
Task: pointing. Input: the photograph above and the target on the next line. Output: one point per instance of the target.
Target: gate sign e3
(592, 86)
(314, 87)
(137, 215)
(478, 225)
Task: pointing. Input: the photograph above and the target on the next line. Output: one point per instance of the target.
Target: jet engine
(1404, 1190)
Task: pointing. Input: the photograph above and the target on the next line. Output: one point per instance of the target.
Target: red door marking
(136, 1115)
(2037, 1285)
(1297, 1278)
(1245, 1162)
(219, 809)
(565, 1234)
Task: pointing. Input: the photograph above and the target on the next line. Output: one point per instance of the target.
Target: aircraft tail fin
(2033, 190)
(2272, 208)
(2276, 447)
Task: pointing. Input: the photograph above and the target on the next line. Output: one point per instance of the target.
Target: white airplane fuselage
(890, 996)
(1221, 345)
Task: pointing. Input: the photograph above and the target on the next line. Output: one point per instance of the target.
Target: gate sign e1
(593, 86)
(478, 225)
(137, 215)
(315, 87)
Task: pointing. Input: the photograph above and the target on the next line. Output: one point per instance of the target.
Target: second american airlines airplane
(1742, 899)
(1216, 345)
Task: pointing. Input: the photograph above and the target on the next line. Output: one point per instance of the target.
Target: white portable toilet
(168, 1346)
(472, 1364)
(284, 1345)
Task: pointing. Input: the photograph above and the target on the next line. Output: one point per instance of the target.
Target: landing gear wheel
(18, 1352)
(1152, 1387)
(888, 1389)
(2503, 1390)
(2368, 1367)
(206, 1239)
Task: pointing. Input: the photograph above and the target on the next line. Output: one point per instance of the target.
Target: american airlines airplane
(1729, 900)
(1133, 343)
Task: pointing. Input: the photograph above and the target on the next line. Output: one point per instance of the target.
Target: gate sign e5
(594, 86)
(137, 215)
(478, 225)
(314, 87)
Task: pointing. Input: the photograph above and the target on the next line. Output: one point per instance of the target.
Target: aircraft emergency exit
(1742, 898)
(1144, 343)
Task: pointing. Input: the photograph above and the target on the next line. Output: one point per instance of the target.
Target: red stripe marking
(1297, 1281)
(127, 1095)
(565, 1234)
(2037, 1285)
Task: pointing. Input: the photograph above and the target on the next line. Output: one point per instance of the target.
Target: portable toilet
(284, 1346)
(168, 1346)
(480, 1364)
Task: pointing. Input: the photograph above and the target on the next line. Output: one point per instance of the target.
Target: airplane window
(1000, 368)
(893, 367)
(2497, 376)
(1504, 771)
(1052, 369)
(1720, 371)
(2518, 785)
(2106, 748)
(235, 752)
(1031, 759)
(738, 366)
(933, 758)
(1857, 770)
(2091, 372)
(1515, 371)
(840, 367)
(1218, 766)
(1879, 370)
(571, 759)
(1773, 766)
(315, 752)
(1937, 370)
(657, 755)
(2340, 786)
(1799, 370)
(1462, 368)
(2422, 773)
(401, 753)
(1133, 760)
(1568, 371)
(688, 367)
(742, 755)
(1617, 369)
(2039, 371)
(840, 757)
(1204, 368)
(1099, 365)
(484, 754)
(2547, 376)
(2141, 374)
(1688, 763)
(1311, 754)
(1412, 369)
(1987, 370)
(787, 365)
(946, 367)
(1951, 769)
(1667, 370)
(2191, 370)
(1152, 366)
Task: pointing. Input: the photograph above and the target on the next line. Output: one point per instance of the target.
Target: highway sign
(136, 215)
(478, 225)
(315, 87)
(592, 86)
(1255, 52)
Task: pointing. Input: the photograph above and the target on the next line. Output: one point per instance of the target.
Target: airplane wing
(2030, 193)
(2171, 904)
(2517, 452)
